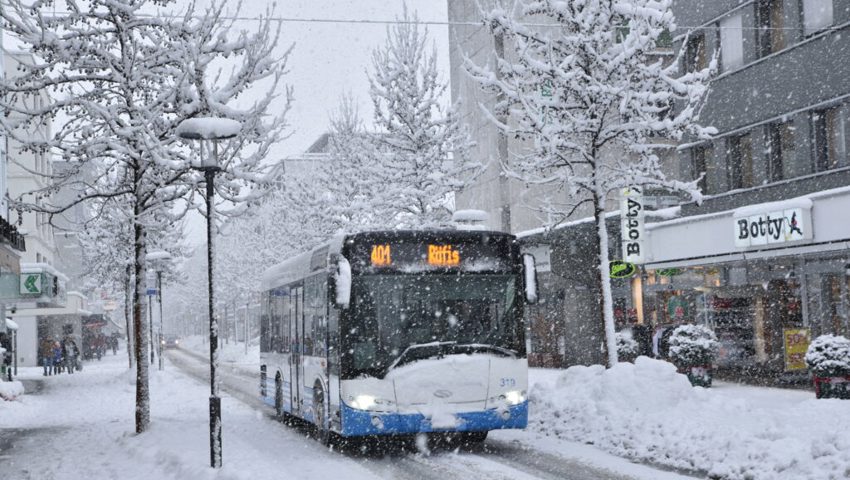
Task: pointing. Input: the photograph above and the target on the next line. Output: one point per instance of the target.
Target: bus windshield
(394, 316)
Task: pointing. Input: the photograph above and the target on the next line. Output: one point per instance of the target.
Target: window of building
(740, 161)
(695, 54)
(817, 15)
(780, 149)
(731, 42)
(828, 139)
(699, 166)
(770, 21)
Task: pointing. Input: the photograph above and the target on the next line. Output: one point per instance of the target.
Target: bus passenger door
(295, 354)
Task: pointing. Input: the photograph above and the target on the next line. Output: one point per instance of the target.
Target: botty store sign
(779, 226)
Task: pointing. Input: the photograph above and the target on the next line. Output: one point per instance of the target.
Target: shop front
(767, 278)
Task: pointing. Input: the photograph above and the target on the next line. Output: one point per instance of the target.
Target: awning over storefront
(808, 224)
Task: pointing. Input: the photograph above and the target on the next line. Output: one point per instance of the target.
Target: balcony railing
(9, 233)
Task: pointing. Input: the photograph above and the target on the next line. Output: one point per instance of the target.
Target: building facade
(40, 287)
(765, 259)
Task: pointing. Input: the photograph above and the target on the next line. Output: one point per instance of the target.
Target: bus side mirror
(530, 271)
(342, 283)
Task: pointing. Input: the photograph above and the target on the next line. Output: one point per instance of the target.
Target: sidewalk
(647, 412)
(82, 426)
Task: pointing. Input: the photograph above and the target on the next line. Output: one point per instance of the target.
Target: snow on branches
(118, 81)
(421, 143)
(587, 86)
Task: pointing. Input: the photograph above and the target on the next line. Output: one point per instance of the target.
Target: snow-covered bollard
(828, 359)
(693, 349)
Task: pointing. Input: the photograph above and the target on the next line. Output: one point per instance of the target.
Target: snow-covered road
(505, 455)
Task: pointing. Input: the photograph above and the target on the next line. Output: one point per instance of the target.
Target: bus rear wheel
(278, 396)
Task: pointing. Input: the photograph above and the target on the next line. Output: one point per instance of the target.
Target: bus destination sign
(443, 256)
(381, 255)
(437, 256)
(412, 255)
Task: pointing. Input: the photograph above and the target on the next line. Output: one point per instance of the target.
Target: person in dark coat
(57, 357)
(46, 353)
(71, 354)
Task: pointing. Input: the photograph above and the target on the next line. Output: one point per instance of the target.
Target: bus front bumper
(361, 422)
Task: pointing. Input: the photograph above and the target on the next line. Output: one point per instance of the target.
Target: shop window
(828, 139)
(770, 21)
(835, 292)
(780, 149)
(731, 42)
(740, 161)
(695, 53)
(817, 15)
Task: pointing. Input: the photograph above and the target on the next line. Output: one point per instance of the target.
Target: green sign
(30, 283)
(668, 272)
(621, 269)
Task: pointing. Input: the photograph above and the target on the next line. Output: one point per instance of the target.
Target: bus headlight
(514, 397)
(363, 402)
(369, 402)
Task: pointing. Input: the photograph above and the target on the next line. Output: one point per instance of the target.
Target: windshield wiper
(421, 351)
(484, 348)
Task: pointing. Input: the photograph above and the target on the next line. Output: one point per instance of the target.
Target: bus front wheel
(323, 433)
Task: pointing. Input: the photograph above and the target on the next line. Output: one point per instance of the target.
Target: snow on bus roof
(298, 266)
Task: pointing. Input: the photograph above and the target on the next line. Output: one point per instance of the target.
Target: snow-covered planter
(693, 349)
(627, 347)
(828, 358)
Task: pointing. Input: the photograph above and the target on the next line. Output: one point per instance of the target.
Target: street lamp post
(158, 260)
(211, 130)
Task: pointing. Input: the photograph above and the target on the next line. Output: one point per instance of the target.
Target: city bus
(399, 333)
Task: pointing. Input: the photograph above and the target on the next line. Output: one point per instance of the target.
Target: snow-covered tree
(120, 80)
(354, 174)
(585, 86)
(423, 145)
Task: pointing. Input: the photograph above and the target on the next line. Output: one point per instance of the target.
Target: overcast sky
(331, 58)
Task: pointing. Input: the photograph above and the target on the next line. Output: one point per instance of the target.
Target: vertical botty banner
(796, 342)
(631, 225)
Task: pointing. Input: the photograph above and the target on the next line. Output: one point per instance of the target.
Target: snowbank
(648, 412)
(11, 390)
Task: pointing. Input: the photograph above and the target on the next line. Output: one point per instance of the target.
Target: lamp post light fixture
(158, 260)
(211, 130)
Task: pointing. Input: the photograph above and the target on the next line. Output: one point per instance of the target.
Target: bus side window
(333, 330)
(284, 322)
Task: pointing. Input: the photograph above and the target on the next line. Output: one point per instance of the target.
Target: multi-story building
(765, 258)
(567, 321)
(39, 291)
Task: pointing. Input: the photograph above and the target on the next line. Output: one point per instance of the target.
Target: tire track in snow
(494, 460)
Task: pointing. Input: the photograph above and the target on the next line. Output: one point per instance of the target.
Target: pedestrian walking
(46, 353)
(57, 357)
(70, 355)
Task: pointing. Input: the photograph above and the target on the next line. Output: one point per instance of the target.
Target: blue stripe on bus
(359, 422)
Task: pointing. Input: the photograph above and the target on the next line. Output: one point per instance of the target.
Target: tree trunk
(128, 302)
(141, 346)
(607, 304)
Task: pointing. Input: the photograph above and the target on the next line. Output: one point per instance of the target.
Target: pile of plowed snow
(648, 412)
